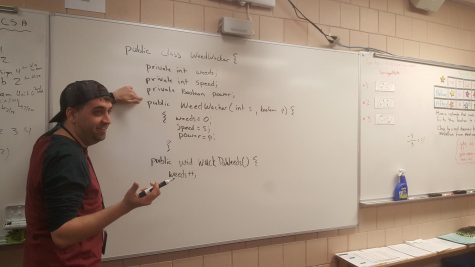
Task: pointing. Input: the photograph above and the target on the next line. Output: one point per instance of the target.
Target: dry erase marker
(160, 185)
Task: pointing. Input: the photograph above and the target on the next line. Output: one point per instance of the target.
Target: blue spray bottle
(401, 192)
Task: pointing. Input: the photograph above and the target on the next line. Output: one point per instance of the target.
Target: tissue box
(14, 217)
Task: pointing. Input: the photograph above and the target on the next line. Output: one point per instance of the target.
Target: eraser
(434, 194)
(458, 192)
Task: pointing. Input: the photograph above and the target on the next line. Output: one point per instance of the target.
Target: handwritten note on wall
(454, 104)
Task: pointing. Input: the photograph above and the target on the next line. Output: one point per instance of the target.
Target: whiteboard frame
(196, 32)
(46, 94)
(54, 107)
(424, 62)
(388, 200)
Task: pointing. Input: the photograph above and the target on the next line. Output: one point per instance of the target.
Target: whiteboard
(23, 83)
(260, 136)
(420, 118)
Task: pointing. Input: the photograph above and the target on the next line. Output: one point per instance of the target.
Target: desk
(342, 261)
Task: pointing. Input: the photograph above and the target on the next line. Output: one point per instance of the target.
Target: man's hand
(127, 95)
(132, 200)
(83, 227)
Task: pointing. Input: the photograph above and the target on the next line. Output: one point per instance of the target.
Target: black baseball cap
(79, 93)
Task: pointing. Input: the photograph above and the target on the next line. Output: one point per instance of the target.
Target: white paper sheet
(434, 244)
(411, 250)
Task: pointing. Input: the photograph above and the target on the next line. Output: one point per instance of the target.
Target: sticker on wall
(385, 86)
(385, 119)
(383, 102)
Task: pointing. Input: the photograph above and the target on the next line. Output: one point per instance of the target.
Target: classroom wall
(390, 25)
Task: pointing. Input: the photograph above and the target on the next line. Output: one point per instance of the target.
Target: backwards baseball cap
(79, 93)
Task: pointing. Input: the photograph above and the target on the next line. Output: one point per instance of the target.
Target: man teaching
(64, 206)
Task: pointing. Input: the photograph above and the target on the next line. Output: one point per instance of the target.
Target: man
(64, 209)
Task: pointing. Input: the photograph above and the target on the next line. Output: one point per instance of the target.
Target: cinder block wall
(390, 25)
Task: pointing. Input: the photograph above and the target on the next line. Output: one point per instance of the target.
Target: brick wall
(389, 25)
